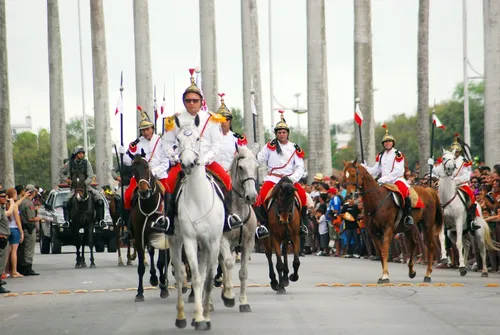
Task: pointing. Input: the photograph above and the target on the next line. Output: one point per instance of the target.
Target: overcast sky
(175, 48)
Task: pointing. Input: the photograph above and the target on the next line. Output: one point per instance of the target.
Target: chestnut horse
(383, 216)
(283, 216)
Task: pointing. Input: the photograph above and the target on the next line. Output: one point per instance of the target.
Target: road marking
(81, 291)
(98, 291)
(47, 292)
(402, 284)
(8, 295)
(355, 285)
(64, 292)
(491, 285)
(423, 284)
(440, 285)
(29, 293)
(405, 284)
(388, 284)
(116, 290)
(321, 285)
(371, 285)
(338, 285)
(457, 285)
(130, 289)
(254, 285)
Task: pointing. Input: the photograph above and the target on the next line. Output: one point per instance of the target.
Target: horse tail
(439, 220)
(490, 243)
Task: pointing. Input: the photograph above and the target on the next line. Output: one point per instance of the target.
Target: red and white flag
(358, 117)
(163, 107)
(436, 122)
(198, 83)
(119, 106)
(254, 108)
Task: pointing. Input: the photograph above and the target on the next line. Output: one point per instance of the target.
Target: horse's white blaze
(347, 174)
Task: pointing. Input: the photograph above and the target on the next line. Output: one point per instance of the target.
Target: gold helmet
(145, 121)
(192, 88)
(223, 110)
(456, 145)
(387, 136)
(282, 123)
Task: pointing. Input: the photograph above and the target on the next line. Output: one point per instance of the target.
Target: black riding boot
(66, 212)
(471, 218)
(303, 222)
(262, 230)
(127, 236)
(99, 213)
(408, 219)
(163, 223)
(232, 220)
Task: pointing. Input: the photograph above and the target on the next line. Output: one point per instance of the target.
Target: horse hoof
(383, 281)
(153, 281)
(139, 298)
(286, 282)
(83, 264)
(463, 270)
(412, 274)
(227, 301)
(209, 325)
(245, 308)
(211, 307)
(443, 261)
(217, 281)
(379, 281)
(164, 293)
(484, 274)
(129, 262)
(281, 291)
(427, 279)
(191, 299)
(121, 264)
(78, 266)
(294, 277)
(180, 323)
(184, 289)
(274, 285)
(201, 326)
(92, 266)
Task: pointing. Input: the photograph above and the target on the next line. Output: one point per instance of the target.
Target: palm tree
(6, 157)
(103, 157)
(58, 141)
(491, 18)
(423, 85)
(208, 51)
(143, 72)
(363, 76)
(319, 155)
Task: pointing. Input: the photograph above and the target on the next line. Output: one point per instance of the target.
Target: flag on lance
(436, 122)
(119, 106)
(198, 83)
(358, 117)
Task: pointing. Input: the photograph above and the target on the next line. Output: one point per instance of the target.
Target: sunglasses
(191, 101)
(3, 196)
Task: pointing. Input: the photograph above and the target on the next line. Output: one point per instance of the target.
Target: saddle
(416, 202)
(162, 193)
(464, 197)
(179, 187)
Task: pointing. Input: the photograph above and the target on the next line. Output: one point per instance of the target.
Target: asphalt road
(332, 295)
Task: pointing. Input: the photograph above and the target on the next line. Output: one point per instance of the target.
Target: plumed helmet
(456, 145)
(192, 88)
(282, 123)
(387, 136)
(223, 110)
(145, 120)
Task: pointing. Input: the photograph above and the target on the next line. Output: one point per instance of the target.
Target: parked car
(54, 233)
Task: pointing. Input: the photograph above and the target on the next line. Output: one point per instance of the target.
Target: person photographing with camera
(29, 218)
(4, 233)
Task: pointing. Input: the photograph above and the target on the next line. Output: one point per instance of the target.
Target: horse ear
(143, 154)
(197, 120)
(177, 122)
(442, 149)
(355, 161)
(345, 163)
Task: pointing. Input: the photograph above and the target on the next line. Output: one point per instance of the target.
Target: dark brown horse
(283, 216)
(383, 217)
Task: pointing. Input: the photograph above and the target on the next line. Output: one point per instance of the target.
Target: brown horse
(384, 216)
(114, 212)
(283, 215)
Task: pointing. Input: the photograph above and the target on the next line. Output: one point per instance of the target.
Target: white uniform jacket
(390, 165)
(155, 152)
(463, 170)
(228, 148)
(290, 163)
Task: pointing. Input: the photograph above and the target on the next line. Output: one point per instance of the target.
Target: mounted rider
(283, 159)
(390, 165)
(461, 177)
(79, 165)
(151, 147)
(210, 144)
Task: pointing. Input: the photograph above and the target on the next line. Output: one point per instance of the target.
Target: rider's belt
(278, 175)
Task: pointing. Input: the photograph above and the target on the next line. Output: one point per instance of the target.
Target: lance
(163, 111)
(155, 109)
(122, 204)
(356, 102)
(432, 146)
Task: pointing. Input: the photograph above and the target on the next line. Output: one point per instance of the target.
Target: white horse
(455, 216)
(198, 226)
(243, 173)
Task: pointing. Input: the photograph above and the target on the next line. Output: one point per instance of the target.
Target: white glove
(121, 149)
(157, 171)
(209, 157)
(430, 161)
(381, 181)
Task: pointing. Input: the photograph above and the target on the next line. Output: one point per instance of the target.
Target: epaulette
(300, 152)
(271, 145)
(241, 139)
(216, 118)
(399, 156)
(170, 122)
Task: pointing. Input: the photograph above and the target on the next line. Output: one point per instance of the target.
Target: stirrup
(409, 220)
(474, 226)
(304, 230)
(65, 224)
(261, 232)
(234, 221)
(102, 224)
(161, 224)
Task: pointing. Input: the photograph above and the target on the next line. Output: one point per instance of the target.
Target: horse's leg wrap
(408, 219)
(162, 225)
(471, 218)
(262, 231)
(232, 220)
(127, 236)
(303, 222)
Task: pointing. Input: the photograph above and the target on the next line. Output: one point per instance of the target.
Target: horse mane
(279, 186)
(242, 153)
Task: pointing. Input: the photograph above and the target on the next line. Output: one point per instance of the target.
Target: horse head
(448, 166)
(244, 174)
(146, 182)
(352, 178)
(284, 195)
(188, 139)
(80, 188)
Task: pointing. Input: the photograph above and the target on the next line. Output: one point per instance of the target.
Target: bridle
(358, 184)
(446, 170)
(187, 133)
(148, 181)
(240, 181)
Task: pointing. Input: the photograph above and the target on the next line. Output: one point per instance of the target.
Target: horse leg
(480, 238)
(78, 265)
(410, 238)
(153, 279)
(444, 258)
(82, 255)
(284, 252)
(162, 265)
(430, 241)
(191, 249)
(279, 267)
(227, 264)
(130, 257)
(243, 274)
(91, 245)
(118, 244)
(296, 261)
(211, 259)
(459, 244)
(269, 255)
(141, 268)
(175, 247)
(383, 247)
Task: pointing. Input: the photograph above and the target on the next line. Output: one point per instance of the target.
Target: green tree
(32, 158)
(74, 134)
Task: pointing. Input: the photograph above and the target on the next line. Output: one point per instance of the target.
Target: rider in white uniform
(390, 165)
